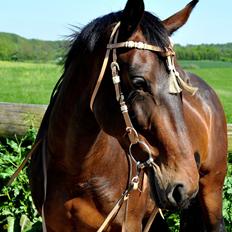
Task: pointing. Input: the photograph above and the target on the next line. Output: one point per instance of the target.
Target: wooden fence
(18, 118)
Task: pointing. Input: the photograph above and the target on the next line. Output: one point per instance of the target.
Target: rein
(22, 165)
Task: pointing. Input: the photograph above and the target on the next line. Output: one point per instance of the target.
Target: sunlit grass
(27, 82)
(220, 79)
(33, 83)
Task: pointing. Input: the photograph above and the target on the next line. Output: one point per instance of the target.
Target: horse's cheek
(141, 116)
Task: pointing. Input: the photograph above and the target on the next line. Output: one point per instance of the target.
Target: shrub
(17, 212)
(227, 195)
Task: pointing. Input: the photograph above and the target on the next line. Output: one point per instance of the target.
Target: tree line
(220, 52)
(17, 48)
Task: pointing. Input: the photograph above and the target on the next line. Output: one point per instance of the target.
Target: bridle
(176, 84)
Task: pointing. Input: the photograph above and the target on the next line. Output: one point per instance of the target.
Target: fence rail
(18, 118)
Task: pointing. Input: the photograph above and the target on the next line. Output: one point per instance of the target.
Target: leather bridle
(131, 131)
(176, 84)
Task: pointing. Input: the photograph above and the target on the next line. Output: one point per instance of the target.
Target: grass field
(219, 76)
(27, 82)
(33, 83)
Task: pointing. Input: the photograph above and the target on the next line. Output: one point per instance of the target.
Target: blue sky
(210, 22)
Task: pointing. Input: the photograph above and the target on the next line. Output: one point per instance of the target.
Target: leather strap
(22, 165)
(141, 46)
(103, 69)
(151, 219)
(127, 44)
(113, 212)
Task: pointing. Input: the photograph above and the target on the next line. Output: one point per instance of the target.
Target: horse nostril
(180, 197)
(178, 193)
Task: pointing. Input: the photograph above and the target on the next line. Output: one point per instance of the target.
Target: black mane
(91, 35)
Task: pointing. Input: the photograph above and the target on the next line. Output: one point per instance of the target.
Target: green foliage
(17, 48)
(173, 221)
(222, 52)
(230, 144)
(17, 212)
(227, 195)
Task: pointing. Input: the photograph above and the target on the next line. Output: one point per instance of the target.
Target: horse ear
(131, 17)
(177, 20)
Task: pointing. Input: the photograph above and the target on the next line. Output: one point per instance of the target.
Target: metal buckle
(133, 135)
(114, 64)
(141, 165)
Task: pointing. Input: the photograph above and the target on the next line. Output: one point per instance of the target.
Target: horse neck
(73, 128)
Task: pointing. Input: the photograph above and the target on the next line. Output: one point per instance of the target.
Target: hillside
(15, 47)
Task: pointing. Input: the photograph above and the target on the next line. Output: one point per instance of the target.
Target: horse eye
(139, 83)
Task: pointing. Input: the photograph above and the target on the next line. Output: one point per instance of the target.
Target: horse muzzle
(169, 195)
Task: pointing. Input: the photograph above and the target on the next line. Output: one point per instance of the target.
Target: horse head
(156, 114)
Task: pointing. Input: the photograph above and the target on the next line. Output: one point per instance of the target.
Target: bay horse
(97, 133)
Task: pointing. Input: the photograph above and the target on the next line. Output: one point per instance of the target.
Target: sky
(210, 22)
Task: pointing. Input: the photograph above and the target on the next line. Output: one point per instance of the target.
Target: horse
(138, 127)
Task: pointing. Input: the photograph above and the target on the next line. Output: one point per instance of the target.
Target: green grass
(27, 82)
(196, 64)
(218, 75)
(33, 83)
(220, 80)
